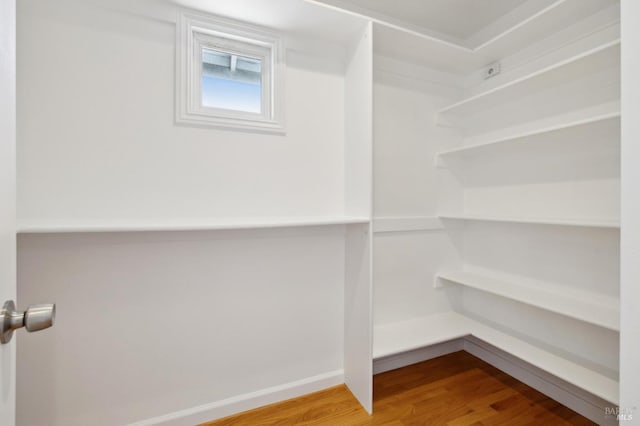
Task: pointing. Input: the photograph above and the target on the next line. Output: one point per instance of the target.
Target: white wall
(406, 141)
(153, 323)
(98, 140)
(630, 241)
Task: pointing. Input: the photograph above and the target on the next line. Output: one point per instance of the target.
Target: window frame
(197, 32)
(232, 47)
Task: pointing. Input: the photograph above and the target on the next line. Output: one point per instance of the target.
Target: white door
(7, 200)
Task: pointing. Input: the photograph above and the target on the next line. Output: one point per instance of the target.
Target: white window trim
(196, 31)
(233, 47)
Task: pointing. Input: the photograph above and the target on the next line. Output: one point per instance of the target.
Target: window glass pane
(231, 81)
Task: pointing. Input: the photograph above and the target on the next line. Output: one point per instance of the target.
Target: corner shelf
(557, 15)
(398, 337)
(600, 57)
(421, 49)
(406, 224)
(395, 338)
(573, 131)
(186, 224)
(586, 306)
(585, 223)
(415, 44)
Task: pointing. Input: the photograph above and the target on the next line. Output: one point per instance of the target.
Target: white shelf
(399, 337)
(406, 224)
(411, 43)
(187, 224)
(571, 133)
(558, 15)
(592, 60)
(421, 49)
(574, 117)
(587, 223)
(577, 375)
(586, 306)
(395, 338)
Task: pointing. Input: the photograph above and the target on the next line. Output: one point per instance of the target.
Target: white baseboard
(568, 395)
(413, 357)
(248, 401)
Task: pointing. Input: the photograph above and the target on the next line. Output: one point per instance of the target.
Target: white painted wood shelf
(590, 61)
(572, 134)
(555, 16)
(585, 223)
(574, 117)
(411, 43)
(406, 224)
(187, 224)
(590, 307)
(395, 338)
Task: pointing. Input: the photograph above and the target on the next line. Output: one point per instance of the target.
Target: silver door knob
(35, 318)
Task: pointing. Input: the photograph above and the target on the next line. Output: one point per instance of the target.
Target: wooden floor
(454, 390)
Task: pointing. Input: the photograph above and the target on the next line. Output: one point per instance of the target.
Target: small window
(231, 82)
(228, 75)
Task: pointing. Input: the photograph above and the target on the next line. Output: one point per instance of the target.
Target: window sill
(223, 123)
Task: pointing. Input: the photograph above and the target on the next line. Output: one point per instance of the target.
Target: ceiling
(456, 20)
(296, 17)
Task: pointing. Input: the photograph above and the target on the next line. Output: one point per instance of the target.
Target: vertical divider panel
(358, 329)
(630, 219)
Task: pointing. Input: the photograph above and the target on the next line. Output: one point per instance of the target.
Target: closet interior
(460, 190)
(496, 192)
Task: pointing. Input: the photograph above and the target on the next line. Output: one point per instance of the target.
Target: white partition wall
(358, 189)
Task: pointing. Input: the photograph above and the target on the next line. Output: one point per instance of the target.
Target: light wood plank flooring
(453, 390)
